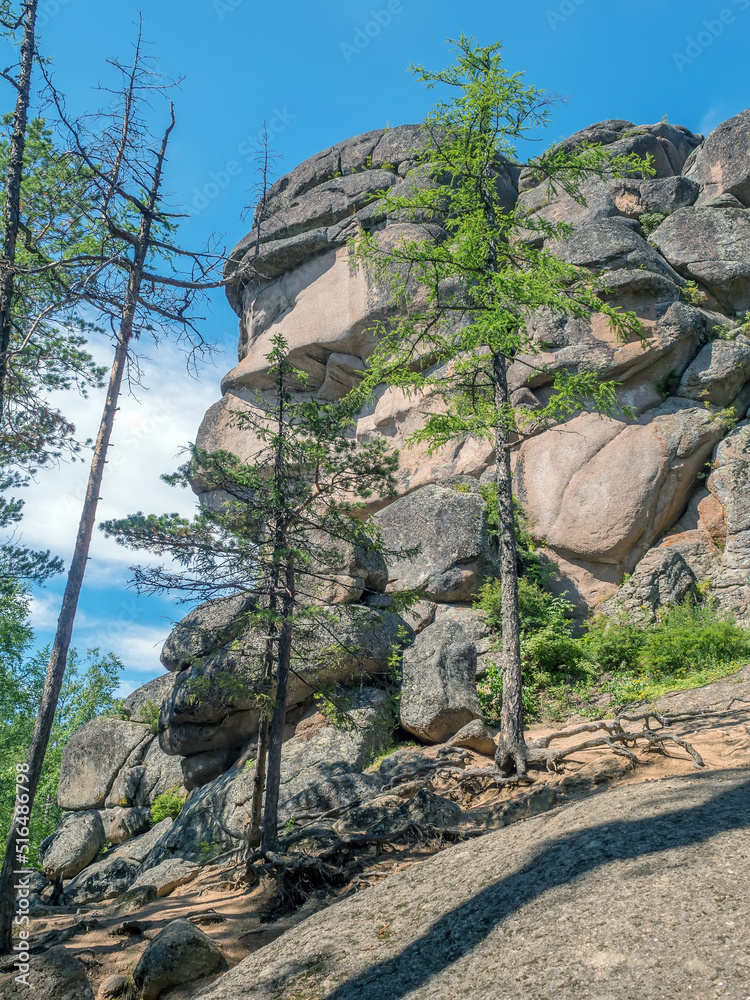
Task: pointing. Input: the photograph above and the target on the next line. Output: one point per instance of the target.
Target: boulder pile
(662, 495)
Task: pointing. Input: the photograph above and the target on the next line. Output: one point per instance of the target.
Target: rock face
(474, 916)
(439, 694)
(568, 478)
(605, 497)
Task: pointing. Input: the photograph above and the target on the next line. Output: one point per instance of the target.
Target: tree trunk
(270, 839)
(12, 210)
(511, 753)
(259, 786)
(59, 655)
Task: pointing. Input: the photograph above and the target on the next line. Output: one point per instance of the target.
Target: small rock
(475, 736)
(181, 953)
(210, 917)
(112, 986)
(129, 928)
(165, 877)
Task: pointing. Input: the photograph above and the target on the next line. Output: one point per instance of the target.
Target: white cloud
(149, 433)
(137, 646)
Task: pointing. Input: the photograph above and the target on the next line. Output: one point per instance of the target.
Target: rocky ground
(636, 863)
(612, 877)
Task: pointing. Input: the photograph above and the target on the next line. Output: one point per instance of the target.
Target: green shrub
(651, 221)
(614, 644)
(169, 803)
(550, 650)
(150, 715)
(691, 636)
(538, 608)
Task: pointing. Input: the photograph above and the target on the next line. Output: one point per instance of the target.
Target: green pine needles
(470, 275)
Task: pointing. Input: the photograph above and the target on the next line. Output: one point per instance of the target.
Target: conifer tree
(470, 288)
(276, 529)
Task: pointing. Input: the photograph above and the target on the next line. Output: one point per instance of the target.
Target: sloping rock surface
(646, 883)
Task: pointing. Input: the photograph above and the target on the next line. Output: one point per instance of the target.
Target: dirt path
(230, 914)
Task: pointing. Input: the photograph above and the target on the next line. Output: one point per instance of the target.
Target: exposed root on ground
(292, 879)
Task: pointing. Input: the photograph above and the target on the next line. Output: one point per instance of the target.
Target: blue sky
(319, 73)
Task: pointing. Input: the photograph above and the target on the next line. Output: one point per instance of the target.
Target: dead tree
(12, 207)
(127, 170)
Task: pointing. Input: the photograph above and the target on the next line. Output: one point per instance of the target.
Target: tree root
(295, 878)
(620, 740)
(654, 736)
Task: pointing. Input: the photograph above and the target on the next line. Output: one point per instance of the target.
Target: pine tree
(277, 530)
(470, 287)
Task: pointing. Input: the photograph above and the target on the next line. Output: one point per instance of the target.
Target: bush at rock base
(617, 661)
(168, 804)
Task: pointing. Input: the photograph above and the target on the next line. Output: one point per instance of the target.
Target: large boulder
(76, 842)
(439, 693)
(713, 535)
(570, 480)
(181, 953)
(719, 371)
(121, 824)
(104, 880)
(140, 847)
(448, 531)
(92, 759)
(200, 768)
(711, 246)
(143, 704)
(214, 704)
(53, 975)
(661, 578)
(147, 773)
(207, 628)
(722, 164)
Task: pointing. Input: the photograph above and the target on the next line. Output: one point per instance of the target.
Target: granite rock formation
(661, 496)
